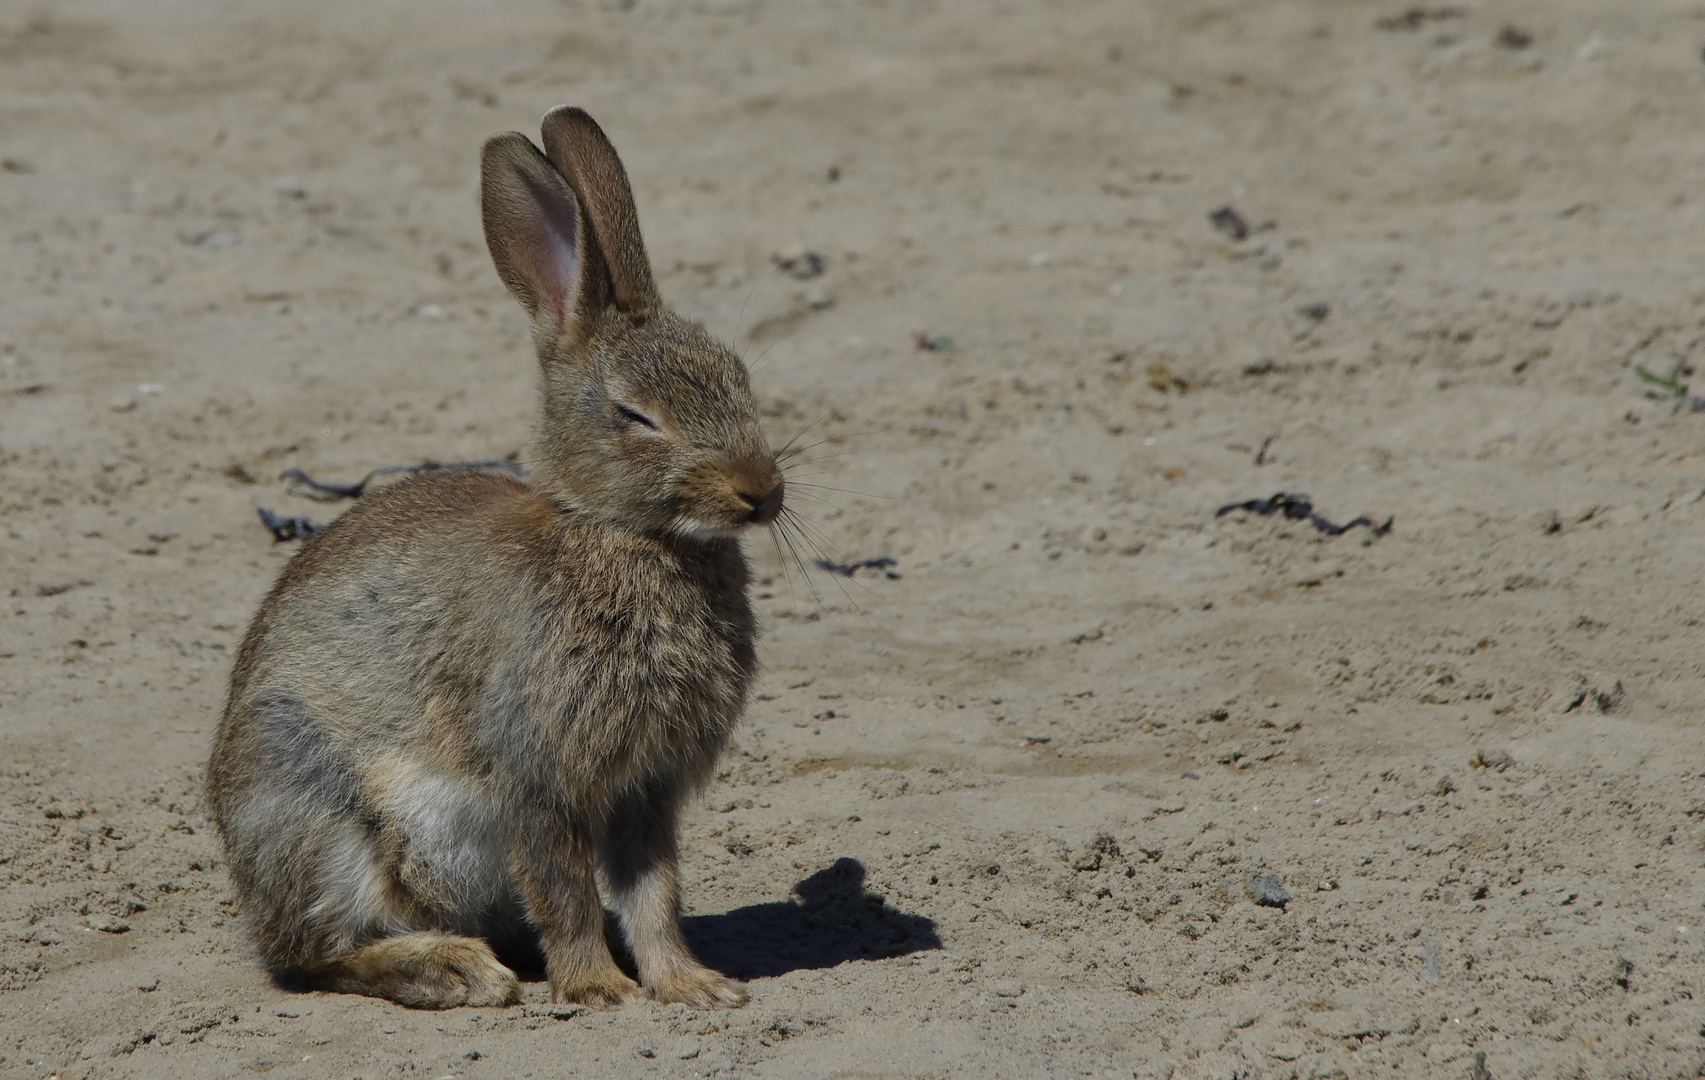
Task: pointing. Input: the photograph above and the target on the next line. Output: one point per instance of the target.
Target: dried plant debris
(1605, 701)
(848, 569)
(318, 489)
(1496, 760)
(1299, 507)
(1513, 38)
(1413, 18)
(287, 528)
(1671, 387)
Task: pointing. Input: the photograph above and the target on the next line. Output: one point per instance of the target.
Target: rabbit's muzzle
(723, 499)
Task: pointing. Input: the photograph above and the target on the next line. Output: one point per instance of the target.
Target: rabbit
(469, 697)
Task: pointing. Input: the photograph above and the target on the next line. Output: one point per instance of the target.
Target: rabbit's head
(649, 422)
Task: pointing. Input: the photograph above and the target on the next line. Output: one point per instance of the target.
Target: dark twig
(287, 528)
(1301, 508)
(848, 569)
(1261, 454)
(325, 492)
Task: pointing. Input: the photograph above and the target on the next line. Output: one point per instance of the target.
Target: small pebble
(1267, 891)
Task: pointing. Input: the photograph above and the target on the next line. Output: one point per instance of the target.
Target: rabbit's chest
(645, 671)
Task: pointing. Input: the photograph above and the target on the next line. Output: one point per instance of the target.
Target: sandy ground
(993, 814)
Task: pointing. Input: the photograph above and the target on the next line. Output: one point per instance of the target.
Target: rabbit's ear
(539, 236)
(579, 149)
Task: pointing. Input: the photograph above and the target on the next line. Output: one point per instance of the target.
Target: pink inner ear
(556, 269)
(559, 275)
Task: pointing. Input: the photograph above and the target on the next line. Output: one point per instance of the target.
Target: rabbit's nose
(762, 490)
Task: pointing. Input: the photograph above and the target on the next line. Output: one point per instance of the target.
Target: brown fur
(469, 695)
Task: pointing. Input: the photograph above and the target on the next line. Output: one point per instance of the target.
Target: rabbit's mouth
(725, 500)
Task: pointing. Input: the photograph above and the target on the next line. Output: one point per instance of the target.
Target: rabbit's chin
(700, 529)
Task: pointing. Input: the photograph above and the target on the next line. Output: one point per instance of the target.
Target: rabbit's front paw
(602, 991)
(699, 987)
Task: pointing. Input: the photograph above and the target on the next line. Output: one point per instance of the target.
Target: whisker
(740, 318)
(816, 460)
(803, 572)
(781, 560)
(801, 433)
(820, 472)
(845, 491)
(759, 323)
(800, 525)
(789, 451)
(818, 499)
(767, 349)
(793, 526)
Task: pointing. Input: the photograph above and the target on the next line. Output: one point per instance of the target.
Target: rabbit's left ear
(582, 153)
(539, 237)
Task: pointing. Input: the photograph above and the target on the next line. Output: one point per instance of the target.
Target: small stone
(1267, 891)
(1006, 988)
(686, 1049)
(107, 924)
(798, 262)
(1089, 856)
(217, 239)
(555, 1011)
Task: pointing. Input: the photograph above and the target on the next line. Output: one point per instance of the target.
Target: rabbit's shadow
(829, 920)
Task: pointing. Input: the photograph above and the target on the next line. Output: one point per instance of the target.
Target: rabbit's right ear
(539, 237)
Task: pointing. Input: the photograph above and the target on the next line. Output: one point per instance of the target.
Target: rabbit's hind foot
(422, 971)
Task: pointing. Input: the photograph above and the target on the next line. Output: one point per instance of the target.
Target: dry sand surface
(993, 813)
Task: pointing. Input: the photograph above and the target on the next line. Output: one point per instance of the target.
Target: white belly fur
(454, 856)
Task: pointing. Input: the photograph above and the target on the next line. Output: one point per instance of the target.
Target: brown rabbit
(469, 695)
